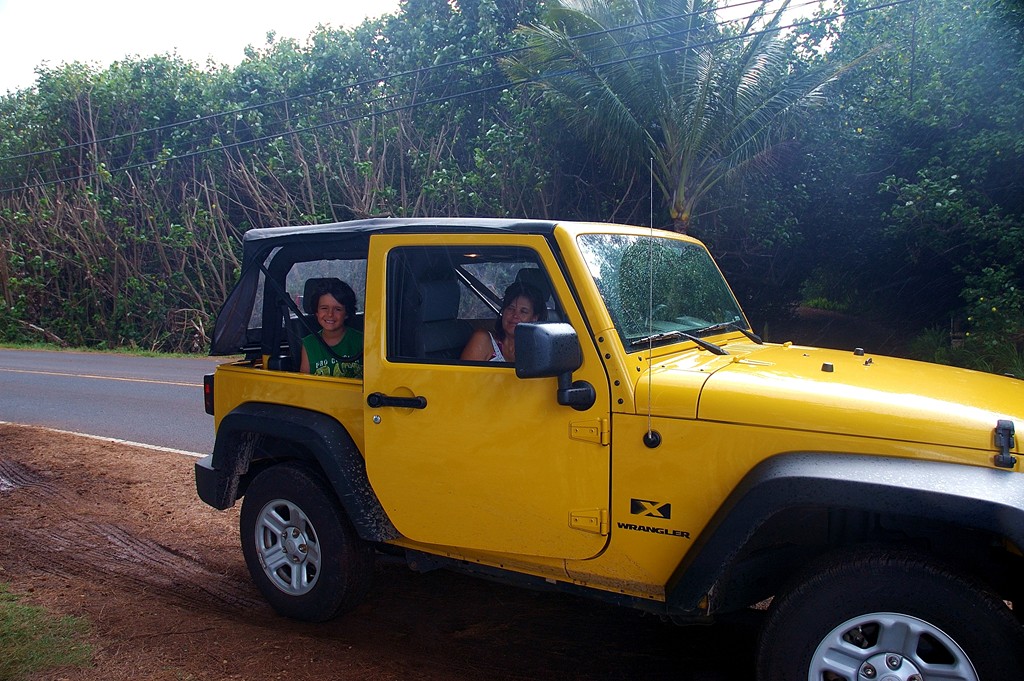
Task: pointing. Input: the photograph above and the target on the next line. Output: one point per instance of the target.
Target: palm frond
(650, 79)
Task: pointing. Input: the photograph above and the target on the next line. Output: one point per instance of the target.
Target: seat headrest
(534, 277)
(440, 300)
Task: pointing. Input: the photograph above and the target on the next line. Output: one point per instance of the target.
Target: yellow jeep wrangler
(645, 447)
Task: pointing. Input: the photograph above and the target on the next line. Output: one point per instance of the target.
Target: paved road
(159, 402)
(156, 401)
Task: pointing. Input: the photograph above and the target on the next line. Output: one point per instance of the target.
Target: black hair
(341, 291)
(519, 289)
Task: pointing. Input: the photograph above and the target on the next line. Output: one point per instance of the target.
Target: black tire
(301, 549)
(863, 607)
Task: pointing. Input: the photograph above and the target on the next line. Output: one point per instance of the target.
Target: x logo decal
(652, 509)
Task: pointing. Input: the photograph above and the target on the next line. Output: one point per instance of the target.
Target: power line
(370, 81)
(376, 80)
(447, 98)
(436, 100)
(115, 160)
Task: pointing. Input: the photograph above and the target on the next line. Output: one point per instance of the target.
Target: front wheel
(890, 616)
(301, 550)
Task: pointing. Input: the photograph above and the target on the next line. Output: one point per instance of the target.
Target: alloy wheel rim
(886, 646)
(288, 547)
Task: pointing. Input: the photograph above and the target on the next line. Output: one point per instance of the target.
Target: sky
(101, 32)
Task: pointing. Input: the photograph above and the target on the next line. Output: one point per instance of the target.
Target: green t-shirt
(322, 363)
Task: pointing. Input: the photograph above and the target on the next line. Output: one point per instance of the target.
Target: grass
(999, 356)
(827, 304)
(134, 351)
(33, 640)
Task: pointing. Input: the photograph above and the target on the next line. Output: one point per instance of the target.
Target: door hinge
(594, 520)
(593, 430)
(1004, 441)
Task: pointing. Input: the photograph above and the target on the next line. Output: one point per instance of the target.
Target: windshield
(655, 287)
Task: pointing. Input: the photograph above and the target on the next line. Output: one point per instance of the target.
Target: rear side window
(352, 272)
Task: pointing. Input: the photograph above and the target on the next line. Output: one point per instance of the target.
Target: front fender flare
(969, 496)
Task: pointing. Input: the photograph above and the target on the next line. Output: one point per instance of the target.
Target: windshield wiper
(667, 335)
(732, 326)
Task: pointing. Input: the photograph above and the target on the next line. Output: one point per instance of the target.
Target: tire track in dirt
(17, 476)
(71, 545)
(116, 534)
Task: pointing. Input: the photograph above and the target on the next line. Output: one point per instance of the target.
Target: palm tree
(660, 82)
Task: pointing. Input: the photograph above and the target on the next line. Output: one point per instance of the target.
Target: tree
(919, 212)
(125, 191)
(660, 82)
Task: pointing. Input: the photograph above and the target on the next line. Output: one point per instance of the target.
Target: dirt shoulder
(115, 534)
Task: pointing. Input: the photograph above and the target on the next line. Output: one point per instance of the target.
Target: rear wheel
(301, 550)
(891, 616)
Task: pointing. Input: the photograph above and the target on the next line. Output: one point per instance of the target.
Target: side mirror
(554, 350)
(546, 350)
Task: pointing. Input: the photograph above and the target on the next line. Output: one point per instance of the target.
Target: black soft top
(231, 334)
(282, 235)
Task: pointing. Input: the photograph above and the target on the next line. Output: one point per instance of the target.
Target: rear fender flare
(321, 436)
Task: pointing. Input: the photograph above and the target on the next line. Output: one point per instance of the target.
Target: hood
(834, 391)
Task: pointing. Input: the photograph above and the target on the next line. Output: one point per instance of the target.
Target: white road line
(108, 378)
(115, 440)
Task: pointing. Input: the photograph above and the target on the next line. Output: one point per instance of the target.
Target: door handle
(377, 400)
